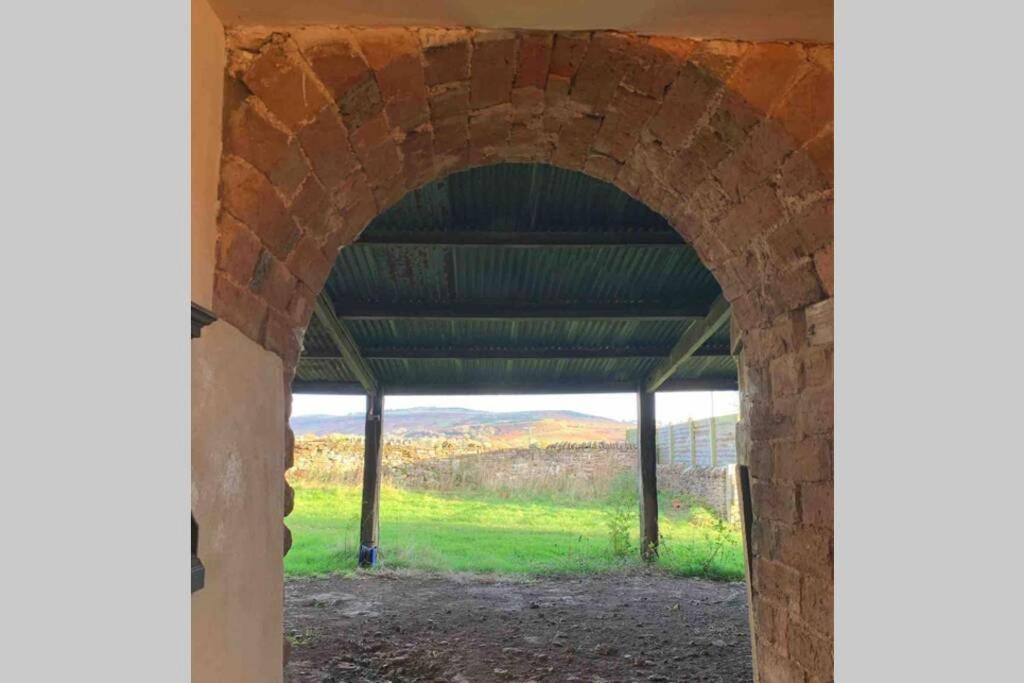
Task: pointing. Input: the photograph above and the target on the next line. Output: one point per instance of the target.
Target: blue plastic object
(367, 556)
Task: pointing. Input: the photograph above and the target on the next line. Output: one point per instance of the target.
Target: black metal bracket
(201, 317)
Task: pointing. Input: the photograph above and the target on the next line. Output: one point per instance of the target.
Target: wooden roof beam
(689, 343)
(653, 310)
(552, 387)
(499, 353)
(521, 238)
(346, 345)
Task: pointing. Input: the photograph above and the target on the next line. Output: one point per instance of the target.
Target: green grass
(486, 533)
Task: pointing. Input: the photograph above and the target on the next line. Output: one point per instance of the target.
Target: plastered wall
(237, 430)
(237, 499)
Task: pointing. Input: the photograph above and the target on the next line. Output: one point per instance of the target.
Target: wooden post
(646, 437)
(369, 522)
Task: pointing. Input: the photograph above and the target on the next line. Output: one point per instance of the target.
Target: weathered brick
(300, 307)
(489, 131)
(394, 55)
(601, 166)
(774, 500)
(694, 164)
(312, 209)
(280, 337)
(816, 410)
(817, 366)
(800, 175)
(810, 650)
(289, 445)
(574, 141)
(778, 583)
(754, 161)
(770, 622)
(819, 322)
(249, 135)
(325, 142)
(786, 374)
(718, 58)
(239, 307)
(237, 249)
(796, 287)
(805, 460)
(309, 264)
(658, 62)
(684, 105)
(824, 266)
(751, 218)
(608, 59)
(766, 71)
(289, 499)
(816, 504)
(625, 119)
(568, 52)
(806, 549)
(272, 281)
(446, 55)
(808, 107)
(354, 198)
(247, 194)
(816, 604)
(451, 134)
(418, 156)
(774, 667)
(534, 60)
(285, 86)
(335, 58)
(815, 226)
(493, 68)
(377, 151)
(448, 101)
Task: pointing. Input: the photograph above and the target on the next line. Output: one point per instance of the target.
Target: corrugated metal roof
(510, 198)
(519, 197)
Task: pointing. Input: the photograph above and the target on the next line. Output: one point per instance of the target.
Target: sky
(670, 406)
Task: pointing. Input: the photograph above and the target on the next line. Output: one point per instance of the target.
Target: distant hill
(508, 429)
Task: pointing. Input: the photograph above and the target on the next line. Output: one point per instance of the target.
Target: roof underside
(515, 277)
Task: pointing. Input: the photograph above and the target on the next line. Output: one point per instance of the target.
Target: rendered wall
(207, 101)
(237, 499)
(237, 430)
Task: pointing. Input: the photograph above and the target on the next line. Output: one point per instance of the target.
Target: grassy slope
(484, 534)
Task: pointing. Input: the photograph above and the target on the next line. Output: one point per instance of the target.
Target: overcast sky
(670, 406)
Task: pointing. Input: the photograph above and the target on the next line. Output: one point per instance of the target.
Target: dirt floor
(390, 626)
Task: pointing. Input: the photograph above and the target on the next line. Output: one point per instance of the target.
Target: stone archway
(325, 127)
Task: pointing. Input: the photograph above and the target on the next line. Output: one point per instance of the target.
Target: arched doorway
(730, 142)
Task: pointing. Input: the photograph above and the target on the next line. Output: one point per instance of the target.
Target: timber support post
(646, 438)
(369, 525)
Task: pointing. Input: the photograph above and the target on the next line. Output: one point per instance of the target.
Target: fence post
(713, 436)
(671, 444)
(693, 442)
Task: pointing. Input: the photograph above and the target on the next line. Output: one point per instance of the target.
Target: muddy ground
(401, 627)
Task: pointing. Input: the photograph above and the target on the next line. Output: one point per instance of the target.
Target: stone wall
(585, 470)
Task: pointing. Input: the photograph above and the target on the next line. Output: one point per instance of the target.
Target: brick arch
(325, 127)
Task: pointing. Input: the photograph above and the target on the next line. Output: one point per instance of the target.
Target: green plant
(716, 532)
(621, 515)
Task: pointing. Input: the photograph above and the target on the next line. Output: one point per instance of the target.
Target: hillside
(500, 429)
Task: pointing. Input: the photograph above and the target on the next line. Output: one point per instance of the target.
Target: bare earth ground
(404, 627)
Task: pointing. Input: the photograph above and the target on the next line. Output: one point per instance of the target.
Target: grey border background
(95, 283)
(95, 292)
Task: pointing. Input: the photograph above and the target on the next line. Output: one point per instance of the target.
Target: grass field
(481, 533)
